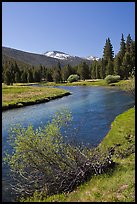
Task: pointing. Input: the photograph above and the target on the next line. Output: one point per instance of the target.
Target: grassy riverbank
(117, 185)
(17, 96)
(98, 82)
(89, 82)
(95, 82)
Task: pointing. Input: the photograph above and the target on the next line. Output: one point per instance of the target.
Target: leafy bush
(43, 162)
(112, 79)
(129, 87)
(73, 77)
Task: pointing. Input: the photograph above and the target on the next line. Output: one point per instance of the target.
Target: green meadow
(18, 96)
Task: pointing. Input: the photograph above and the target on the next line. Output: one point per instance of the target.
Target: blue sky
(76, 28)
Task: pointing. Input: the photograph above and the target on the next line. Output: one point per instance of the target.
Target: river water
(93, 109)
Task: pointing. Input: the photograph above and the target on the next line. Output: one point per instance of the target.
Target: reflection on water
(93, 109)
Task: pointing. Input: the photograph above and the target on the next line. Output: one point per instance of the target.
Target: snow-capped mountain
(48, 59)
(63, 56)
(91, 58)
(58, 55)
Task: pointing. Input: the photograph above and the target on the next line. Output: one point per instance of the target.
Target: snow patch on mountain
(91, 58)
(57, 55)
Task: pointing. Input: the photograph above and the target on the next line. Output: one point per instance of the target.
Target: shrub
(130, 87)
(72, 78)
(43, 162)
(112, 79)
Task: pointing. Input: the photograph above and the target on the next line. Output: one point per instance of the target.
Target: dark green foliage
(108, 52)
(122, 48)
(127, 65)
(117, 65)
(2, 74)
(102, 68)
(128, 43)
(7, 78)
(109, 68)
(83, 71)
(30, 76)
(95, 70)
(17, 73)
(42, 72)
(132, 53)
(8, 73)
(56, 75)
(59, 66)
(125, 59)
(74, 69)
(49, 75)
(123, 62)
(17, 77)
(108, 57)
(66, 72)
(37, 75)
(24, 76)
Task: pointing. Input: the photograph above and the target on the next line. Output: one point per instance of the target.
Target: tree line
(121, 64)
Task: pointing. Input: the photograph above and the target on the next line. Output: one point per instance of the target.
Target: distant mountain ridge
(48, 59)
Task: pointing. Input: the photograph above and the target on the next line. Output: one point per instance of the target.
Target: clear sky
(76, 28)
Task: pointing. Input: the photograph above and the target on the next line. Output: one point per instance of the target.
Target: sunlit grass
(23, 94)
(89, 82)
(97, 82)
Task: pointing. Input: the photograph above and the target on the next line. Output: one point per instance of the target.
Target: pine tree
(102, 68)
(128, 43)
(74, 69)
(109, 68)
(122, 48)
(108, 52)
(36, 75)
(126, 65)
(59, 71)
(30, 76)
(96, 70)
(83, 71)
(41, 68)
(49, 76)
(56, 76)
(93, 70)
(17, 77)
(16, 67)
(7, 77)
(24, 76)
(132, 53)
(66, 72)
(12, 73)
(117, 65)
(59, 66)
(17, 73)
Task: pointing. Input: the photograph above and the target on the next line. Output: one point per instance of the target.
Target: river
(93, 109)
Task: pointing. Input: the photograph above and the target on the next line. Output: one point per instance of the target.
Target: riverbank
(90, 82)
(18, 96)
(117, 185)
